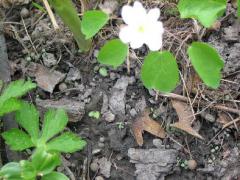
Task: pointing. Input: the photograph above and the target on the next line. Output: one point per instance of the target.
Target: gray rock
(105, 167)
(109, 116)
(117, 98)
(153, 164)
(24, 12)
(157, 143)
(73, 75)
(133, 112)
(49, 59)
(62, 87)
(207, 116)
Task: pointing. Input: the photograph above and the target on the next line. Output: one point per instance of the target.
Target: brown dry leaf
(185, 116)
(146, 123)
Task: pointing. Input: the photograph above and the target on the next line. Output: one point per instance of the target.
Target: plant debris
(186, 118)
(146, 123)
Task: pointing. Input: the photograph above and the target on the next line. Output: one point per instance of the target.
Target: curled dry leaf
(186, 117)
(146, 123)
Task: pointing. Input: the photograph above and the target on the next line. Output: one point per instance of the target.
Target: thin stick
(230, 123)
(214, 106)
(25, 28)
(128, 63)
(51, 15)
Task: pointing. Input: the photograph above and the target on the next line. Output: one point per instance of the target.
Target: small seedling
(94, 114)
(120, 125)
(103, 72)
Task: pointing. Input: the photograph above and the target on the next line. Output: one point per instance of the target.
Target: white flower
(141, 27)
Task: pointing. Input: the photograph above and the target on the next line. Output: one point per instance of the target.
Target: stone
(49, 59)
(73, 75)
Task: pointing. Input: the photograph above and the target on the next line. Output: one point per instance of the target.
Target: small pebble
(62, 87)
(192, 164)
(96, 151)
(24, 12)
(101, 145)
(102, 139)
(94, 166)
(109, 116)
(157, 143)
(133, 112)
(99, 178)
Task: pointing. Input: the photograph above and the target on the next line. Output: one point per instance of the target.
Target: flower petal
(137, 40)
(125, 34)
(139, 11)
(128, 14)
(153, 14)
(154, 44)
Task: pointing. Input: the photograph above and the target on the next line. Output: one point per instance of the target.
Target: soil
(36, 51)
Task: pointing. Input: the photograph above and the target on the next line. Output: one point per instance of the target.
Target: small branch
(51, 15)
(230, 123)
(214, 106)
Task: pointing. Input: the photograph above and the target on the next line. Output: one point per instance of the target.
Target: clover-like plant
(160, 70)
(47, 143)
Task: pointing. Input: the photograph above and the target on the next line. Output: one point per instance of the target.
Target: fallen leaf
(146, 123)
(186, 117)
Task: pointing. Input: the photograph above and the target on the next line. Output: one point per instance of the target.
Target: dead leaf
(185, 116)
(146, 123)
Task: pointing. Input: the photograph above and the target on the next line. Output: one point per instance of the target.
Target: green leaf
(207, 62)
(54, 122)
(45, 162)
(68, 13)
(10, 105)
(17, 139)
(160, 71)
(67, 143)
(11, 171)
(16, 89)
(94, 114)
(39, 7)
(55, 176)
(92, 22)
(113, 53)
(28, 118)
(103, 72)
(206, 11)
(28, 172)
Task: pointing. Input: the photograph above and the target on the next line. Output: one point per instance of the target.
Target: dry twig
(51, 15)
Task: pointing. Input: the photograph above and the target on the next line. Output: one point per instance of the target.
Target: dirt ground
(71, 80)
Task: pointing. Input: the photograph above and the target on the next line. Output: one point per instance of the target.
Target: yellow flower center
(141, 29)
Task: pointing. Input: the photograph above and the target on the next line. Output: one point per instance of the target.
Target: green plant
(94, 114)
(159, 70)
(66, 10)
(48, 146)
(83, 31)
